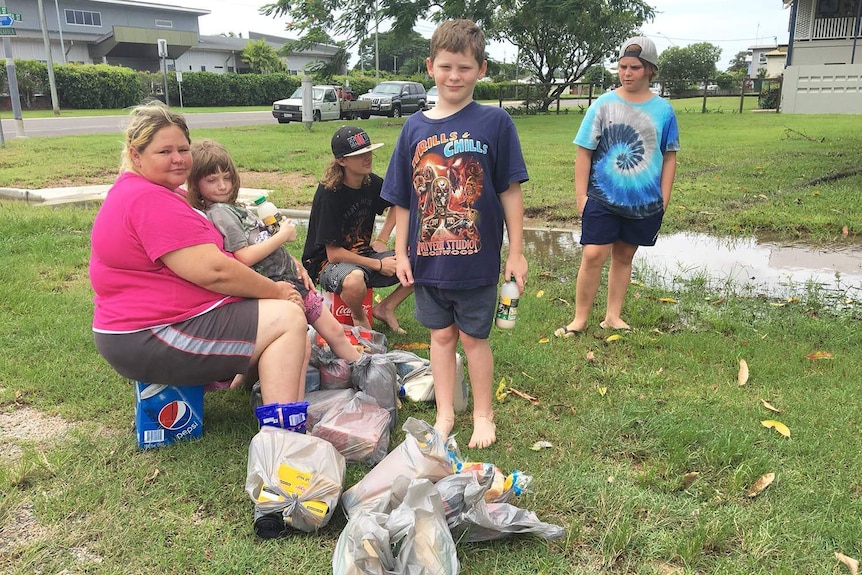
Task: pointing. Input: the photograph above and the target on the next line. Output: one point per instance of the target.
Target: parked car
(394, 99)
(432, 97)
(327, 102)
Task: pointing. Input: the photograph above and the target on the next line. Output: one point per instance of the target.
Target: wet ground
(769, 268)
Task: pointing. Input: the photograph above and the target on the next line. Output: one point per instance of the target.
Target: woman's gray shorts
(211, 347)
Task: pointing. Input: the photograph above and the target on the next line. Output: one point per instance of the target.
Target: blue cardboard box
(165, 414)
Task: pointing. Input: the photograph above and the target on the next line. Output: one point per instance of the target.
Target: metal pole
(51, 81)
(60, 30)
(165, 78)
(12, 79)
(376, 50)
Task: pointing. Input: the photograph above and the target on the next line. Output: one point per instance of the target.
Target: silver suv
(394, 99)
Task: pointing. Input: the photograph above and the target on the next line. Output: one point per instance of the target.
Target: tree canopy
(262, 58)
(558, 40)
(395, 53)
(692, 62)
(739, 63)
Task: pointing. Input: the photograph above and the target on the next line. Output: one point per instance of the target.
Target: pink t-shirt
(137, 224)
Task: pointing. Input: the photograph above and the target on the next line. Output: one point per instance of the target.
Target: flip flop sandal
(564, 332)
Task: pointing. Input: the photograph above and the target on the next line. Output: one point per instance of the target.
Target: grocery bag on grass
(375, 375)
(295, 476)
(319, 402)
(422, 455)
(359, 429)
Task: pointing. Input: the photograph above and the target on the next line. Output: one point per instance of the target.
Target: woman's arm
(253, 253)
(205, 265)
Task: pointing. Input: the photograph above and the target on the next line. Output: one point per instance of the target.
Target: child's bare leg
(443, 342)
(353, 291)
(589, 278)
(385, 310)
(619, 278)
(480, 365)
(330, 330)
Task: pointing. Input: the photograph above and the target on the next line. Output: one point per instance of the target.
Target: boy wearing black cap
(624, 171)
(339, 252)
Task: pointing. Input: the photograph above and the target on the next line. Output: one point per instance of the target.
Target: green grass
(766, 174)
(626, 426)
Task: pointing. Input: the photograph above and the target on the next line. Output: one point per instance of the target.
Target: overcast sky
(733, 25)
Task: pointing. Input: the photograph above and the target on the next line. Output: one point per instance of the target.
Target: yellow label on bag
(293, 481)
(318, 508)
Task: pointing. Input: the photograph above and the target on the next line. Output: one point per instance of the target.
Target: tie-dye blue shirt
(628, 140)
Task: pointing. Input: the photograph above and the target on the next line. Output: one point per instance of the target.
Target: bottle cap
(260, 200)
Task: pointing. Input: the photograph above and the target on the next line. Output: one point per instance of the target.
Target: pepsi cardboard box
(165, 414)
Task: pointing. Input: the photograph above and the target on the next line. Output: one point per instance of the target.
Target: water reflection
(770, 268)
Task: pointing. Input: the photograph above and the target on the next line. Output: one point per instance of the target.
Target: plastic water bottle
(269, 214)
(507, 305)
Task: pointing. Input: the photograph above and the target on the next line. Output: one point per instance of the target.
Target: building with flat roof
(126, 33)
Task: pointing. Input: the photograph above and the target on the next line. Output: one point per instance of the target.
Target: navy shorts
(332, 276)
(600, 226)
(213, 346)
(471, 310)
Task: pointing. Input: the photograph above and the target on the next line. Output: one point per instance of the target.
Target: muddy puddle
(772, 269)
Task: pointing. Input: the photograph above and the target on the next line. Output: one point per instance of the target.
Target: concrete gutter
(55, 196)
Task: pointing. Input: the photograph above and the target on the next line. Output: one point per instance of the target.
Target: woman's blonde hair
(209, 157)
(146, 121)
(333, 176)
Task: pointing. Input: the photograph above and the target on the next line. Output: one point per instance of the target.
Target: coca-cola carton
(341, 310)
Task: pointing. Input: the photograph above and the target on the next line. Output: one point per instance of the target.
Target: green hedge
(95, 86)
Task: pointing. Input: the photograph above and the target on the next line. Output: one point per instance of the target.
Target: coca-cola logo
(344, 311)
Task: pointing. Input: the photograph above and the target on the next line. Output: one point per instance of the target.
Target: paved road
(68, 126)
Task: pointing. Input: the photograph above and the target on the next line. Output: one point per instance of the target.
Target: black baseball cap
(352, 141)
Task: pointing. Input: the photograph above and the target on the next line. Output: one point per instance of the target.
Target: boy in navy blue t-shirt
(454, 180)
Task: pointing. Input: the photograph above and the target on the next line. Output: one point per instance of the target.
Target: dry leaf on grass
(544, 340)
(152, 477)
(603, 391)
(762, 483)
(591, 357)
(414, 345)
(667, 300)
(540, 445)
(613, 337)
(742, 376)
(849, 562)
(689, 478)
(845, 231)
(769, 406)
(814, 356)
(779, 427)
(501, 394)
(540, 293)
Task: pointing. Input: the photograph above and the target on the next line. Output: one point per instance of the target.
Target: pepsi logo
(175, 415)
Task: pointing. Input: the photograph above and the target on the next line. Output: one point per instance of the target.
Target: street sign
(9, 19)
(8, 32)
(4, 10)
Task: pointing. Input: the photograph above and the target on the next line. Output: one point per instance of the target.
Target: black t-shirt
(342, 217)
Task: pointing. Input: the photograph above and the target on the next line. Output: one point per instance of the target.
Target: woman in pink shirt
(171, 306)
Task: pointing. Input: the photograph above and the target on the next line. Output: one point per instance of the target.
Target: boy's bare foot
(444, 425)
(484, 431)
(361, 322)
(387, 316)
